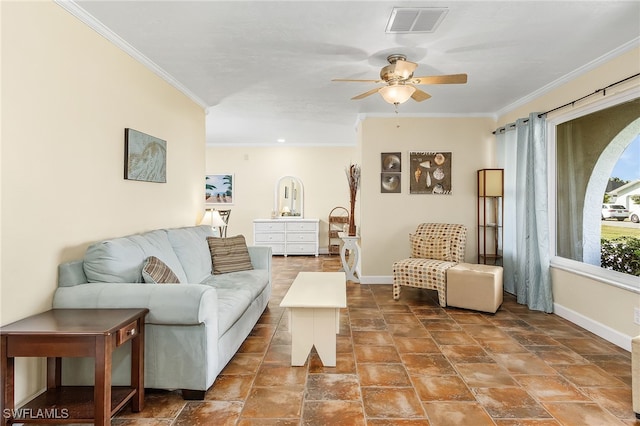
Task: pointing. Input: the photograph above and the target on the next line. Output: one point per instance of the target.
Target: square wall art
(430, 172)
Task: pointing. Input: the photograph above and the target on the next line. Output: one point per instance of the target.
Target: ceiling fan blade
(441, 79)
(358, 81)
(420, 96)
(365, 94)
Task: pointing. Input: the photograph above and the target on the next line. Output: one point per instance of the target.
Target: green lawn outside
(610, 232)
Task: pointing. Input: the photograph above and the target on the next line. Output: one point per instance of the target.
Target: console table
(352, 265)
(73, 333)
(287, 236)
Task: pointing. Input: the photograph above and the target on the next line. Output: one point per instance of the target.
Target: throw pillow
(229, 254)
(430, 248)
(155, 271)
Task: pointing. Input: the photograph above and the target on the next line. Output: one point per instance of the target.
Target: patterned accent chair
(435, 247)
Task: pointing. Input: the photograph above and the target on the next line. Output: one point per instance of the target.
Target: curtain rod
(603, 90)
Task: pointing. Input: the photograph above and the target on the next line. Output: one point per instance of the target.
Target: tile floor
(411, 362)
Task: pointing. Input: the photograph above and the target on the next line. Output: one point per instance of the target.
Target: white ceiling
(263, 69)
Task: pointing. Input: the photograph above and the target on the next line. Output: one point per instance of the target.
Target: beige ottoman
(477, 287)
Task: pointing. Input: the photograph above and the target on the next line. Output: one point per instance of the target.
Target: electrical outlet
(636, 315)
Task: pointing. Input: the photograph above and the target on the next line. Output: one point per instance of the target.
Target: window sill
(606, 276)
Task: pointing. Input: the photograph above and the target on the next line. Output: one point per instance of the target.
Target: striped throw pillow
(155, 271)
(229, 254)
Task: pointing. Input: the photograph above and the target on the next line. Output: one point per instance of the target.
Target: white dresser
(287, 236)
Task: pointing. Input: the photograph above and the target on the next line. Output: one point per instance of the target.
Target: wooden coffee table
(74, 333)
(314, 301)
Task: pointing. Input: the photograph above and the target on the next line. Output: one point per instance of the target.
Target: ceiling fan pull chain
(397, 116)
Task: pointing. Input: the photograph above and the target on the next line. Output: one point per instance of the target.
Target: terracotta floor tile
(587, 346)
(339, 413)
(485, 375)
(581, 413)
(383, 375)
(532, 338)
(157, 404)
(427, 364)
(509, 403)
(274, 402)
(280, 375)
(254, 344)
(398, 422)
(523, 364)
(333, 387)
(442, 388)
(208, 413)
(268, 422)
(588, 375)
(502, 346)
(243, 364)
(551, 388)
(391, 402)
(444, 324)
(345, 364)
(614, 400)
(526, 422)
(423, 345)
(466, 354)
(368, 324)
(404, 330)
(452, 338)
(230, 388)
(366, 353)
(372, 338)
(557, 355)
(457, 414)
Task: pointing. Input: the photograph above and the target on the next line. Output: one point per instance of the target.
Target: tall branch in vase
(353, 177)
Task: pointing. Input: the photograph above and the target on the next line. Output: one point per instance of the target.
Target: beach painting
(218, 189)
(145, 157)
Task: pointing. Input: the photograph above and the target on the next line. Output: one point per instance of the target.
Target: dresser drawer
(308, 237)
(301, 248)
(269, 237)
(301, 226)
(127, 332)
(275, 247)
(268, 226)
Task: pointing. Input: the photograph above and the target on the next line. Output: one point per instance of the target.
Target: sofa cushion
(155, 271)
(236, 291)
(229, 254)
(430, 248)
(190, 245)
(120, 260)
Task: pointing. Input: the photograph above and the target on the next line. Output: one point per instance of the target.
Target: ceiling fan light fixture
(396, 94)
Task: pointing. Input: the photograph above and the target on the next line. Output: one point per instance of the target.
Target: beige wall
(256, 170)
(67, 96)
(387, 219)
(607, 307)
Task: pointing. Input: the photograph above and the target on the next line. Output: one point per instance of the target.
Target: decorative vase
(352, 221)
(353, 178)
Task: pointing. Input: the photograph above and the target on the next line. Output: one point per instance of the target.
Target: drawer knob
(131, 332)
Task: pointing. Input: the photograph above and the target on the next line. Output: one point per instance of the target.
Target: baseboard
(599, 329)
(376, 279)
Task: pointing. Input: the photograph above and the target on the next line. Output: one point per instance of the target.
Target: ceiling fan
(400, 82)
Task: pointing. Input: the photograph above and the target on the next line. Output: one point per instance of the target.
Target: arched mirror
(289, 197)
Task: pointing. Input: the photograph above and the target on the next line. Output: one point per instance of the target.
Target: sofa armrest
(168, 304)
(260, 257)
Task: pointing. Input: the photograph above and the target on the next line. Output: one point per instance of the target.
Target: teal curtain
(526, 259)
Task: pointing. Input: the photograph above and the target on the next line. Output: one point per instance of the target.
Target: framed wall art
(145, 157)
(390, 162)
(390, 183)
(218, 189)
(430, 172)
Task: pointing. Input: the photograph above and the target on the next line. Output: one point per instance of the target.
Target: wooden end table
(73, 333)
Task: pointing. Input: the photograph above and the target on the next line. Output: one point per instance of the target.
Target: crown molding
(88, 19)
(570, 76)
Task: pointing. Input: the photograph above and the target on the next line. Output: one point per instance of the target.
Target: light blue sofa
(193, 328)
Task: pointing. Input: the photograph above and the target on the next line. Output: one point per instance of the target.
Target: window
(586, 146)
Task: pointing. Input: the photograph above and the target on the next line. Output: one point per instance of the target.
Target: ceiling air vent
(415, 19)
